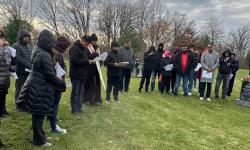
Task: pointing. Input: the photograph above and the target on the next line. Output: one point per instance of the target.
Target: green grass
(141, 121)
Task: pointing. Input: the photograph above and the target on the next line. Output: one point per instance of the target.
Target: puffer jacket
(37, 94)
(4, 70)
(23, 54)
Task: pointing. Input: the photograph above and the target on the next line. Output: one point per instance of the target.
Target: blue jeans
(53, 118)
(153, 77)
(77, 95)
(191, 78)
(184, 79)
(125, 79)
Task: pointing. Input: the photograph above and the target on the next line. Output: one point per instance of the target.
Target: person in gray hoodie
(127, 54)
(23, 59)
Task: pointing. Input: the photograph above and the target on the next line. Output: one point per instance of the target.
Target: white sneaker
(195, 90)
(61, 130)
(182, 93)
(209, 99)
(189, 94)
(47, 144)
(107, 102)
(201, 98)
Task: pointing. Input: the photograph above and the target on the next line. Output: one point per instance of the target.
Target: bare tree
(214, 29)
(50, 14)
(239, 41)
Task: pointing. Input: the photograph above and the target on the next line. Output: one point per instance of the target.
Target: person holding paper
(5, 68)
(37, 94)
(209, 62)
(226, 66)
(78, 73)
(113, 72)
(147, 68)
(23, 59)
(92, 93)
(127, 54)
(62, 45)
(184, 63)
(166, 71)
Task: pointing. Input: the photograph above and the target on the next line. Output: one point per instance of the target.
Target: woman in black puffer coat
(37, 94)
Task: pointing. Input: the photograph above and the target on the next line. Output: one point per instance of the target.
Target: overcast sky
(231, 12)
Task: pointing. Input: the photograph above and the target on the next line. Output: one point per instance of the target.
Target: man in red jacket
(183, 63)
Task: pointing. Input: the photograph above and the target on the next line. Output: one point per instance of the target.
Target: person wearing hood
(37, 94)
(235, 68)
(147, 68)
(92, 92)
(226, 66)
(127, 54)
(166, 73)
(5, 69)
(79, 64)
(62, 45)
(23, 59)
(157, 69)
(184, 63)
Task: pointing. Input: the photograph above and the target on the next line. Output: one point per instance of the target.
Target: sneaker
(47, 144)
(201, 98)
(61, 130)
(107, 102)
(217, 97)
(209, 99)
(223, 97)
(195, 90)
(189, 94)
(182, 93)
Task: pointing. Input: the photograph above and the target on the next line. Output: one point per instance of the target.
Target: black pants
(165, 84)
(2, 103)
(113, 82)
(19, 84)
(90, 92)
(146, 75)
(203, 87)
(125, 80)
(231, 85)
(173, 79)
(37, 126)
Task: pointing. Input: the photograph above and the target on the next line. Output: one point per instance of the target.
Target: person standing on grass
(92, 92)
(166, 74)
(23, 59)
(37, 94)
(173, 78)
(147, 68)
(113, 72)
(157, 69)
(192, 76)
(184, 63)
(62, 45)
(209, 62)
(79, 63)
(235, 68)
(226, 66)
(127, 54)
(5, 68)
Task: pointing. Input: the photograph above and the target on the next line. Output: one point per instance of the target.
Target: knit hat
(62, 44)
(2, 35)
(94, 37)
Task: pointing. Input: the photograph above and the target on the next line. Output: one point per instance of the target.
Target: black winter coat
(4, 72)
(112, 58)
(149, 61)
(226, 66)
(164, 62)
(23, 54)
(37, 94)
(157, 59)
(78, 61)
(178, 63)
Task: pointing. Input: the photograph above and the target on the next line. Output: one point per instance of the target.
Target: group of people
(189, 65)
(38, 88)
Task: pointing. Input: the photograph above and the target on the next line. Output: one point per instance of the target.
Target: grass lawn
(141, 121)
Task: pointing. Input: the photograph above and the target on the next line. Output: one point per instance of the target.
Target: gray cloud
(231, 12)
